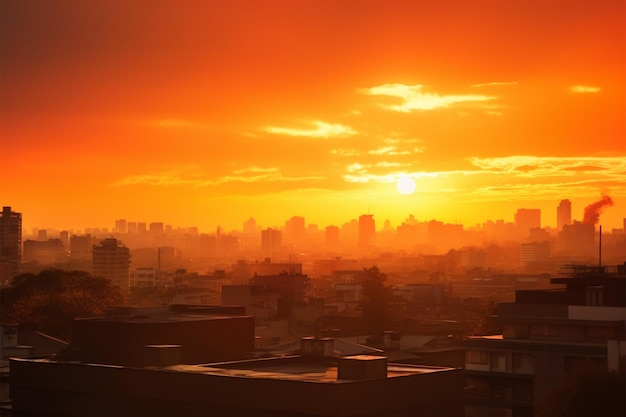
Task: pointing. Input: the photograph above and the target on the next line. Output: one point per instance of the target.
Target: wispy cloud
(193, 178)
(582, 89)
(496, 83)
(544, 166)
(413, 98)
(319, 129)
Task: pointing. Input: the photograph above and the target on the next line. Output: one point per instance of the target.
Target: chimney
(317, 346)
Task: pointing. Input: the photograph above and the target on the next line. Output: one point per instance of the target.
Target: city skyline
(207, 114)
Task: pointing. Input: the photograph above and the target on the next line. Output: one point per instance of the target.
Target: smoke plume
(593, 211)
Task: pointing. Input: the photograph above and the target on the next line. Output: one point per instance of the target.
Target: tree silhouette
(376, 298)
(51, 299)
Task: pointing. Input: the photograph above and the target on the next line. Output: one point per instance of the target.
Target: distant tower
(10, 244)
(294, 229)
(526, 219)
(271, 241)
(121, 226)
(367, 230)
(249, 226)
(111, 259)
(332, 235)
(563, 214)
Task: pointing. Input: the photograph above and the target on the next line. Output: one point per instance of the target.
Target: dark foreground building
(546, 335)
(166, 384)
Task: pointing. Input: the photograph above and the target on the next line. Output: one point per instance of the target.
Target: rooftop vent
(362, 367)
(162, 355)
(317, 346)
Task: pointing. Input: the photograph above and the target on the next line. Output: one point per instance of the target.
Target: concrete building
(547, 333)
(44, 251)
(526, 219)
(563, 214)
(111, 259)
(205, 334)
(10, 244)
(312, 384)
(367, 230)
(271, 241)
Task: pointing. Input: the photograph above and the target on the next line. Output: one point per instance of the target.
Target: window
(478, 357)
(522, 363)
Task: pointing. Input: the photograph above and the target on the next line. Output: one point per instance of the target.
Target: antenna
(600, 248)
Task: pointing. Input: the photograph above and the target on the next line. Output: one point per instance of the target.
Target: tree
(376, 298)
(587, 391)
(50, 300)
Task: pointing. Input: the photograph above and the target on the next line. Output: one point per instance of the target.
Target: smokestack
(593, 211)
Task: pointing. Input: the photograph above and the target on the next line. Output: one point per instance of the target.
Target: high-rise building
(80, 246)
(526, 219)
(156, 228)
(294, 229)
(332, 235)
(367, 230)
(131, 227)
(271, 240)
(120, 226)
(111, 259)
(249, 226)
(10, 244)
(563, 214)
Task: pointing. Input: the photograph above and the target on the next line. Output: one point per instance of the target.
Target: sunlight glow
(405, 185)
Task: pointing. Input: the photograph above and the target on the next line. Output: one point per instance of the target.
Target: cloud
(189, 176)
(496, 83)
(582, 89)
(544, 166)
(320, 130)
(412, 98)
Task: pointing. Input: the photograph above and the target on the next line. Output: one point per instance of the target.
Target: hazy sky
(208, 112)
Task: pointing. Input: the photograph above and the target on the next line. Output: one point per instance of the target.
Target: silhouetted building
(205, 334)
(526, 219)
(332, 235)
(547, 333)
(534, 254)
(80, 246)
(10, 244)
(44, 252)
(563, 214)
(271, 241)
(295, 229)
(111, 259)
(367, 230)
(312, 384)
(577, 240)
(156, 228)
(121, 226)
(291, 287)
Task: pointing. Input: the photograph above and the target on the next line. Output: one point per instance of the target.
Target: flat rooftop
(163, 318)
(297, 368)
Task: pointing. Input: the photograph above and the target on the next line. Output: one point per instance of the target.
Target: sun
(405, 185)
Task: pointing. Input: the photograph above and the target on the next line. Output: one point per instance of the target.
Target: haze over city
(208, 113)
(311, 208)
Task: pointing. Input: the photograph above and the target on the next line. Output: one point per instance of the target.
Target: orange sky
(205, 113)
